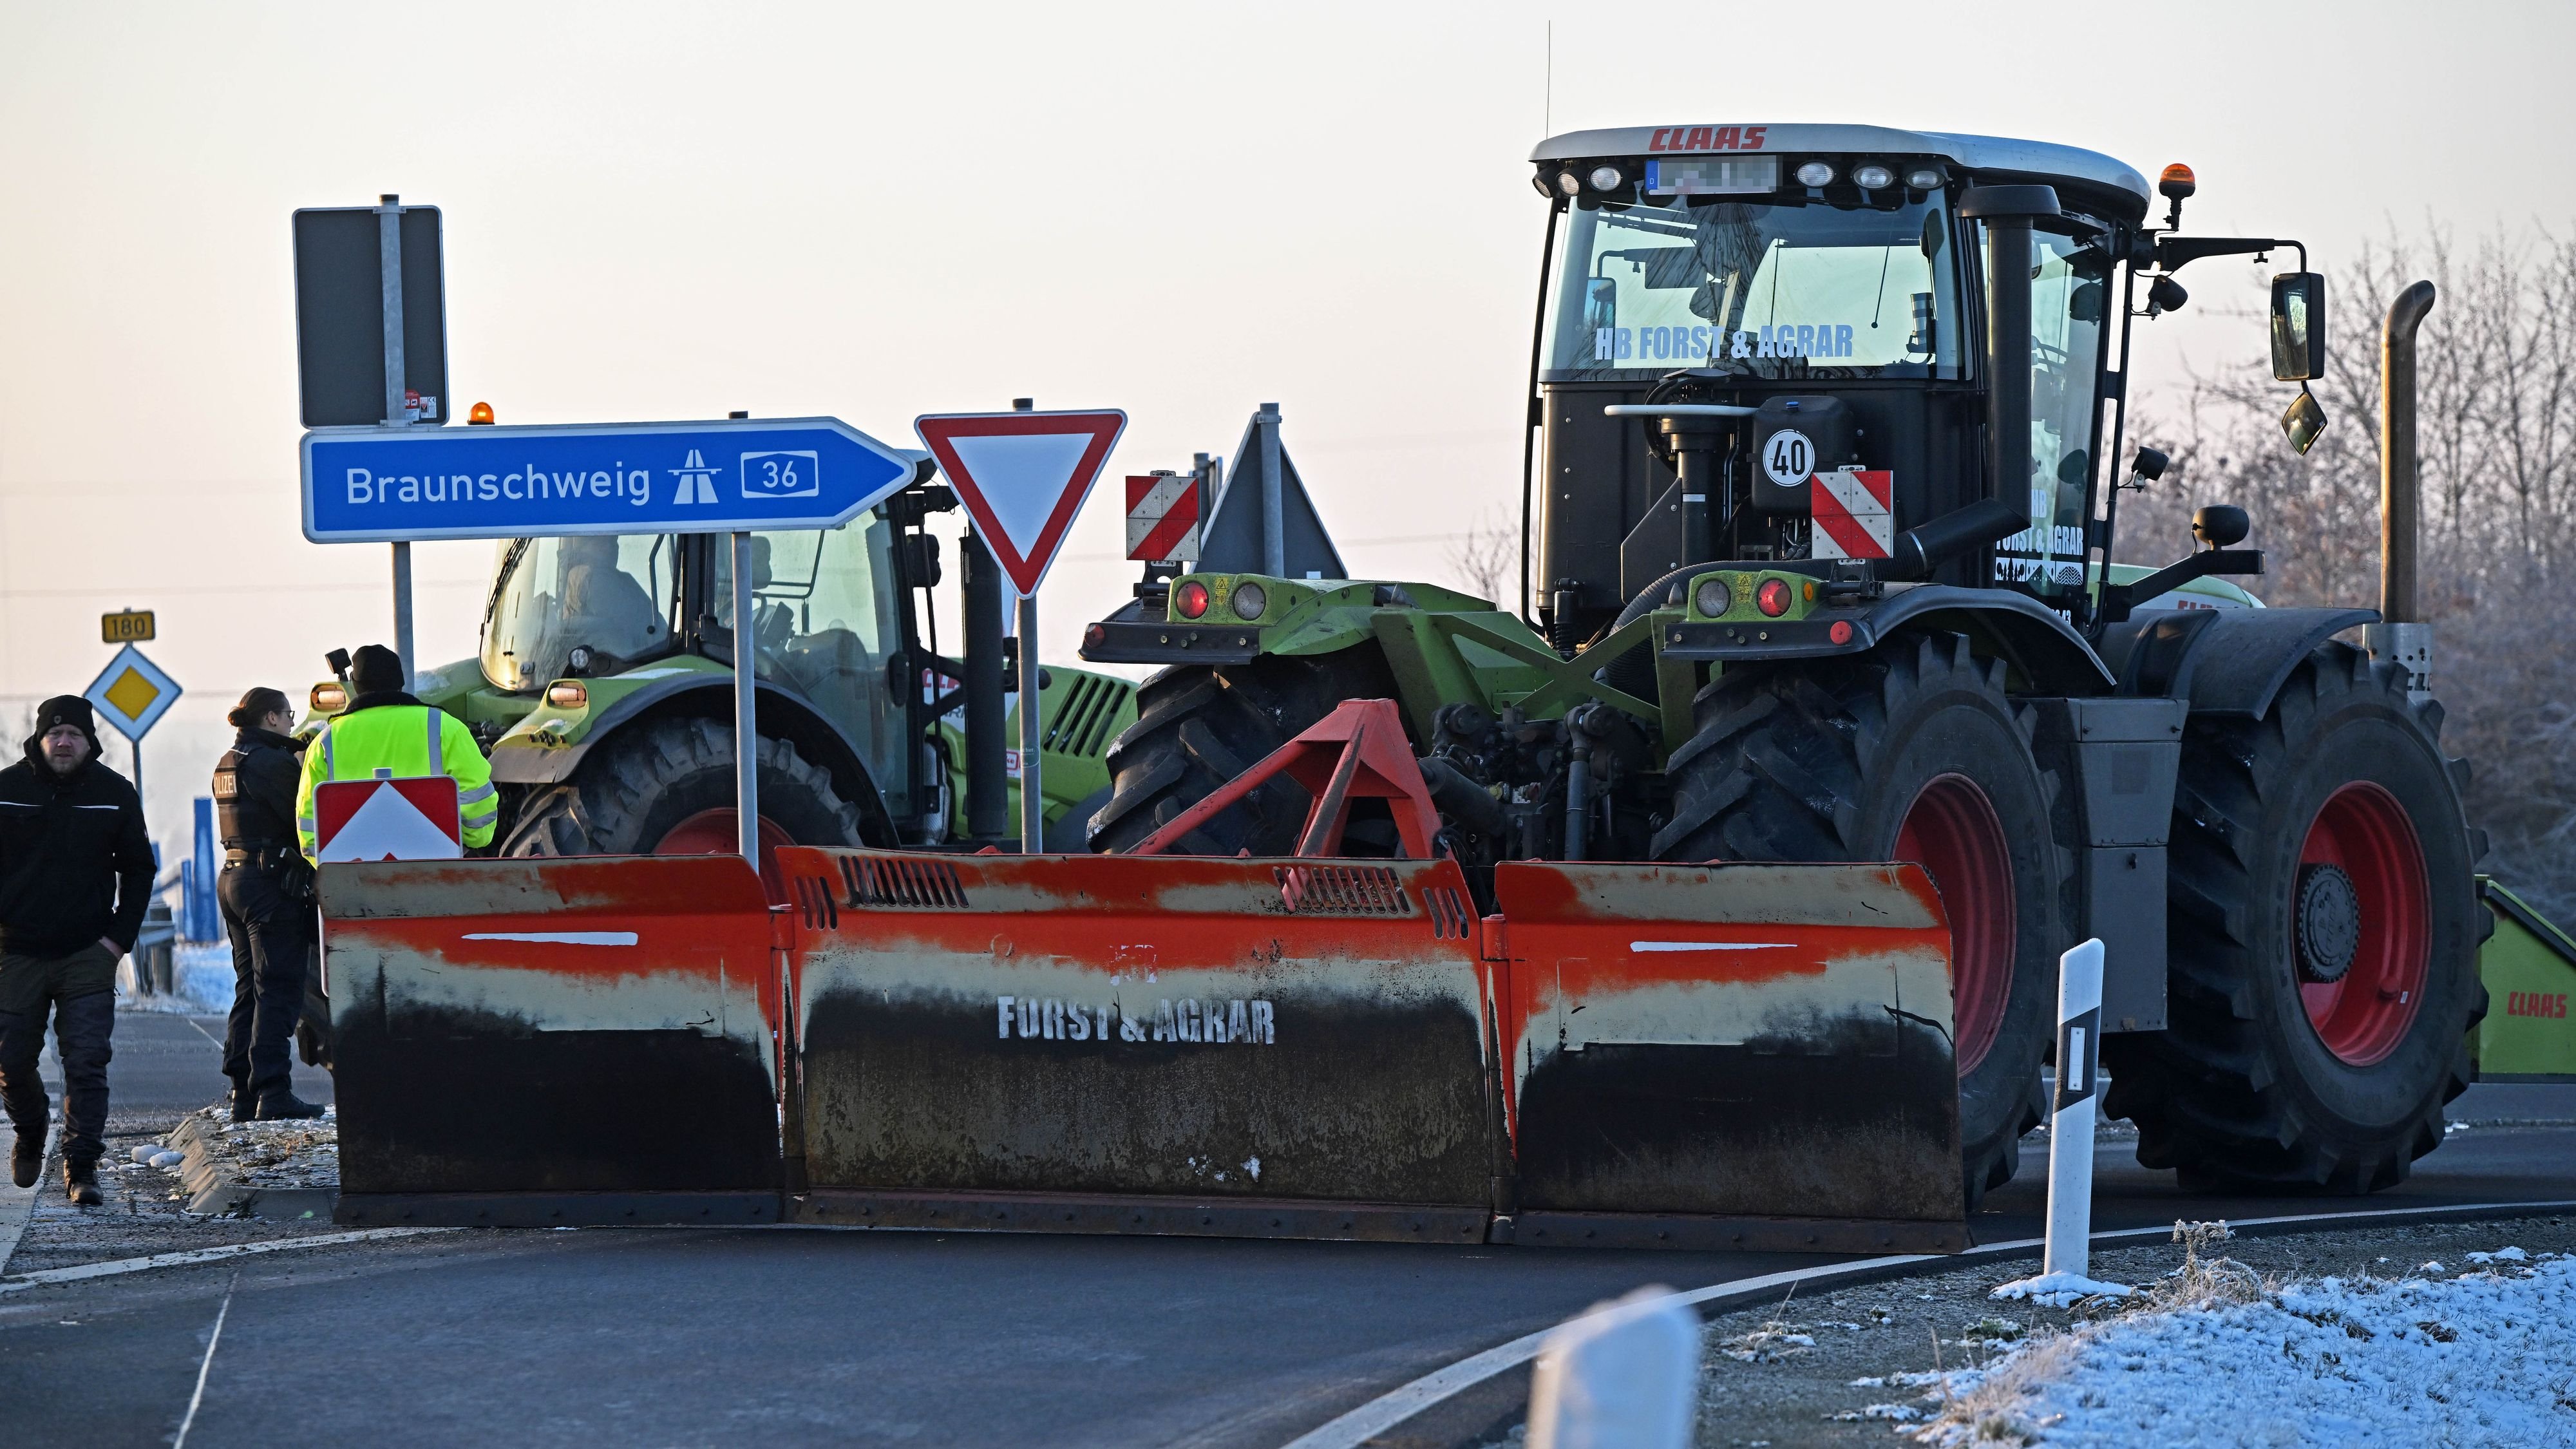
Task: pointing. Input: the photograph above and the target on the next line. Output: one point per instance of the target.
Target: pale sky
(658, 211)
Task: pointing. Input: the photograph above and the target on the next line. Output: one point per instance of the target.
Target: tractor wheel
(1199, 726)
(666, 788)
(1912, 753)
(2323, 928)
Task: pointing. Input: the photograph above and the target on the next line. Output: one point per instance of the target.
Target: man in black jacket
(75, 876)
(267, 896)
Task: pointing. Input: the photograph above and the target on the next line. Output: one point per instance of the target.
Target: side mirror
(1600, 303)
(2303, 421)
(2220, 525)
(2299, 327)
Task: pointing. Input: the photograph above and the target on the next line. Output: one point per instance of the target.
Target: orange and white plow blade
(1717, 1055)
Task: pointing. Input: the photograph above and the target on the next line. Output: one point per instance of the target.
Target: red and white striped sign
(1855, 512)
(412, 818)
(1163, 517)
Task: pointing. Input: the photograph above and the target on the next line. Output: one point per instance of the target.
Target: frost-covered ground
(2482, 1351)
(2228, 1343)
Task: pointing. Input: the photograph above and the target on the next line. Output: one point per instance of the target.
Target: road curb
(1395, 1408)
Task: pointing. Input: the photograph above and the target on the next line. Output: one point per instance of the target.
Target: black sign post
(371, 333)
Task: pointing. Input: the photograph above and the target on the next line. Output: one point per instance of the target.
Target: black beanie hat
(64, 709)
(255, 706)
(375, 669)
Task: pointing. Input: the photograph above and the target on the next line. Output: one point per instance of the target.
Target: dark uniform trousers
(271, 934)
(79, 992)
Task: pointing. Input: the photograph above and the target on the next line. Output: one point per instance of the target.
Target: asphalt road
(790, 1336)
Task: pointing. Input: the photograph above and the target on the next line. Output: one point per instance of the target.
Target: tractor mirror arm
(2119, 599)
(2172, 252)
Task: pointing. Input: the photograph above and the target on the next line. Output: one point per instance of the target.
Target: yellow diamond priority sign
(132, 693)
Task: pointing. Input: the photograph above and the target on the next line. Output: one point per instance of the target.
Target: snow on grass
(2215, 1354)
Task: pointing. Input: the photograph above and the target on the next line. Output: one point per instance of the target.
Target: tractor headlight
(1713, 598)
(1606, 178)
(1873, 177)
(1815, 173)
(1569, 183)
(1190, 600)
(1924, 178)
(568, 694)
(328, 698)
(1249, 600)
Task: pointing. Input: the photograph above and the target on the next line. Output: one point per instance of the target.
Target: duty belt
(254, 854)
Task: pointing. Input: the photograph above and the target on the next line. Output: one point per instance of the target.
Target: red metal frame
(1358, 752)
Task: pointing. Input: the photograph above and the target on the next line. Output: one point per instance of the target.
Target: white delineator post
(2070, 1122)
(1623, 1375)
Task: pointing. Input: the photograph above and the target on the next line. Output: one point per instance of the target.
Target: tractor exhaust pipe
(2400, 496)
(2008, 212)
(2401, 637)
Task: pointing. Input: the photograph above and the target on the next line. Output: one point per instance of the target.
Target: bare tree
(1484, 559)
(2496, 444)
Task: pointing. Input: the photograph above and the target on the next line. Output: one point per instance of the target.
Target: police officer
(384, 728)
(267, 896)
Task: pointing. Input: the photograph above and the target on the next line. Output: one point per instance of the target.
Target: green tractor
(1820, 424)
(603, 694)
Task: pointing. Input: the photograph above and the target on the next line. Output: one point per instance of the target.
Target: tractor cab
(1777, 346)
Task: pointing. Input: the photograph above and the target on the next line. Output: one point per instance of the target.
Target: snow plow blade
(540, 1042)
(1705, 1056)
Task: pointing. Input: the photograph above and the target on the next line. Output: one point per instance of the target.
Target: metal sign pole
(1032, 798)
(746, 730)
(1274, 502)
(397, 411)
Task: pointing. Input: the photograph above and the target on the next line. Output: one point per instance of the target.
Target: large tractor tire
(2323, 928)
(1911, 753)
(666, 788)
(1199, 726)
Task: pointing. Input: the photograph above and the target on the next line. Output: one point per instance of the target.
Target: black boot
(27, 1159)
(245, 1104)
(280, 1104)
(80, 1182)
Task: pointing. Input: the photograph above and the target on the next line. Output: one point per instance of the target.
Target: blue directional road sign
(387, 485)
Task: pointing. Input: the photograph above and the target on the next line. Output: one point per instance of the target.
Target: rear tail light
(1772, 598)
(1190, 600)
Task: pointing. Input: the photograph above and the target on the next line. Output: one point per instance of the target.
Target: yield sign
(413, 818)
(1023, 476)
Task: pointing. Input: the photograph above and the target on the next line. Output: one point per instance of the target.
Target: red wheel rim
(2364, 1015)
(712, 832)
(1951, 830)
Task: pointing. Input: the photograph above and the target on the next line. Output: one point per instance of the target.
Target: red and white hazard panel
(1855, 513)
(412, 818)
(1163, 517)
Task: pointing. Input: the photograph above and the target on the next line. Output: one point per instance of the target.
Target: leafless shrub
(1484, 559)
(2496, 443)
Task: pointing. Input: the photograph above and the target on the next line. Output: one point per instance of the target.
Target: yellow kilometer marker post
(132, 694)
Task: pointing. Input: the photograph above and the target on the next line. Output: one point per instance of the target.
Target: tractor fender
(2225, 661)
(2045, 653)
(784, 714)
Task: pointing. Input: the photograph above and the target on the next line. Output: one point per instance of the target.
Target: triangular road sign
(1022, 476)
(412, 818)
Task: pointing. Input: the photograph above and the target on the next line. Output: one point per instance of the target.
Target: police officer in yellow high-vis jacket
(384, 728)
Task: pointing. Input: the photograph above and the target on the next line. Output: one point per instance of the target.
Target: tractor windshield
(552, 595)
(1774, 289)
(824, 613)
